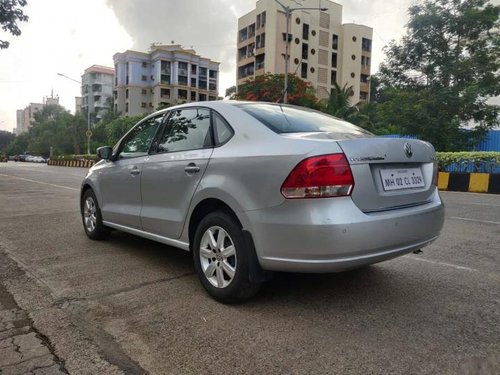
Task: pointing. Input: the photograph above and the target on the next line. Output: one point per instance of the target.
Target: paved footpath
(22, 349)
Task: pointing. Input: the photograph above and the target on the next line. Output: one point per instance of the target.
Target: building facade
(97, 91)
(164, 76)
(26, 116)
(322, 50)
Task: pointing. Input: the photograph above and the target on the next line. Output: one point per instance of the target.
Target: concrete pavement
(133, 306)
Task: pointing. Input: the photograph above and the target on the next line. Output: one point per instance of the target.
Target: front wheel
(92, 218)
(222, 259)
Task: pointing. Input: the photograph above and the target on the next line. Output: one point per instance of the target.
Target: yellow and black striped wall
(471, 182)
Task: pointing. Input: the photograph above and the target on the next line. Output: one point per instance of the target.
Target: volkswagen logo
(408, 150)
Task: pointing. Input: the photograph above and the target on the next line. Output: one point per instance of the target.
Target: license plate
(397, 179)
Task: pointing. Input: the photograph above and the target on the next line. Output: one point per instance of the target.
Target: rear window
(290, 119)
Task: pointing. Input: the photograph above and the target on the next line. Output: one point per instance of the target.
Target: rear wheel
(222, 259)
(91, 217)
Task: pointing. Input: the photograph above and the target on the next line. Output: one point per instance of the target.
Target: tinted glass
(222, 130)
(187, 129)
(290, 119)
(138, 141)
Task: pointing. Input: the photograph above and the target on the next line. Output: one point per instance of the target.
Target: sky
(67, 37)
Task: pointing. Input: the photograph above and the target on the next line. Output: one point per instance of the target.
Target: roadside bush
(476, 161)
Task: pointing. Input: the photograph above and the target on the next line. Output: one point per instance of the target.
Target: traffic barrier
(469, 182)
(71, 163)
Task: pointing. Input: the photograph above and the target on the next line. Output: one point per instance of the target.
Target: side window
(222, 130)
(187, 129)
(138, 141)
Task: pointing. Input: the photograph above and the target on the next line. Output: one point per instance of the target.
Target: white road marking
(462, 268)
(39, 182)
(474, 220)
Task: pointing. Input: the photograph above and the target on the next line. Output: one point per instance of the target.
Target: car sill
(149, 236)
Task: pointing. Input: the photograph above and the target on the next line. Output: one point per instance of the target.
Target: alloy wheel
(218, 257)
(89, 214)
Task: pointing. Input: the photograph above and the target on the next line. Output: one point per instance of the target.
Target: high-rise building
(165, 75)
(322, 50)
(97, 91)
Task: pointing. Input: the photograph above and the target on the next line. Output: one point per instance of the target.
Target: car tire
(92, 218)
(223, 264)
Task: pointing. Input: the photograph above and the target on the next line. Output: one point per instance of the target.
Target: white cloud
(60, 37)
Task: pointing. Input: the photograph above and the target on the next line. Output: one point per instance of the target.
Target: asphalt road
(129, 305)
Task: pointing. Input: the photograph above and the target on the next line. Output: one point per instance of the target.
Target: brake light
(319, 177)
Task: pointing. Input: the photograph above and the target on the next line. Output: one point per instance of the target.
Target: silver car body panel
(246, 174)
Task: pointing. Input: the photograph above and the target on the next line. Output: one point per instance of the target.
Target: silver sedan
(251, 188)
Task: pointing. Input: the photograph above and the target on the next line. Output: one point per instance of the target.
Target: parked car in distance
(250, 188)
(39, 159)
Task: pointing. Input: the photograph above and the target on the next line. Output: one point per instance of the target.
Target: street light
(89, 132)
(288, 12)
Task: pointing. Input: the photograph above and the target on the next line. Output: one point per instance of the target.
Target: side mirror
(105, 152)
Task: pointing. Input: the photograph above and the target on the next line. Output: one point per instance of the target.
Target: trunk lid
(390, 173)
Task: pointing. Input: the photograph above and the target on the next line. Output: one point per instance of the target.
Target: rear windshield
(289, 119)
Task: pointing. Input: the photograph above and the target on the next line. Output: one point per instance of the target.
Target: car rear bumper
(332, 235)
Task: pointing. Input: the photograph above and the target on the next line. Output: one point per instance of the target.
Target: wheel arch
(203, 208)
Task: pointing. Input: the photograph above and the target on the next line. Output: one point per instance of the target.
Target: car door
(120, 181)
(170, 177)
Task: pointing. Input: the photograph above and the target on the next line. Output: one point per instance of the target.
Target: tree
(18, 145)
(231, 92)
(10, 14)
(441, 74)
(5, 139)
(269, 88)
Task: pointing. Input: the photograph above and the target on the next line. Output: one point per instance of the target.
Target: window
(365, 61)
(305, 31)
(334, 60)
(260, 40)
(297, 21)
(353, 75)
(183, 94)
(126, 107)
(194, 69)
(165, 93)
(144, 91)
(193, 82)
(202, 97)
(333, 77)
(144, 64)
(363, 95)
(144, 78)
(364, 78)
(193, 96)
(283, 119)
(212, 74)
(303, 70)
(187, 129)
(143, 105)
(126, 93)
(243, 35)
(335, 41)
(251, 30)
(138, 141)
(305, 48)
(223, 131)
(354, 38)
(366, 44)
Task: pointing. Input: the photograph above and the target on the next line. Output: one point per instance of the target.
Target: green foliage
(231, 92)
(108, 133)
(490, 159)
(438, 78)
(5, 139)
(18, 145)
(269, 88)
(10, 14)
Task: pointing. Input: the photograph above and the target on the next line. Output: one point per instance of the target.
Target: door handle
(135, 171)
(192, 168)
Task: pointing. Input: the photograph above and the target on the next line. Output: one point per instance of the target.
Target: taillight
(319, 177)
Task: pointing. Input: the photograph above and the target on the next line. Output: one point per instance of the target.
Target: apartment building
(322, 50)
(26, 116)
(97, 91)
(165, 75)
